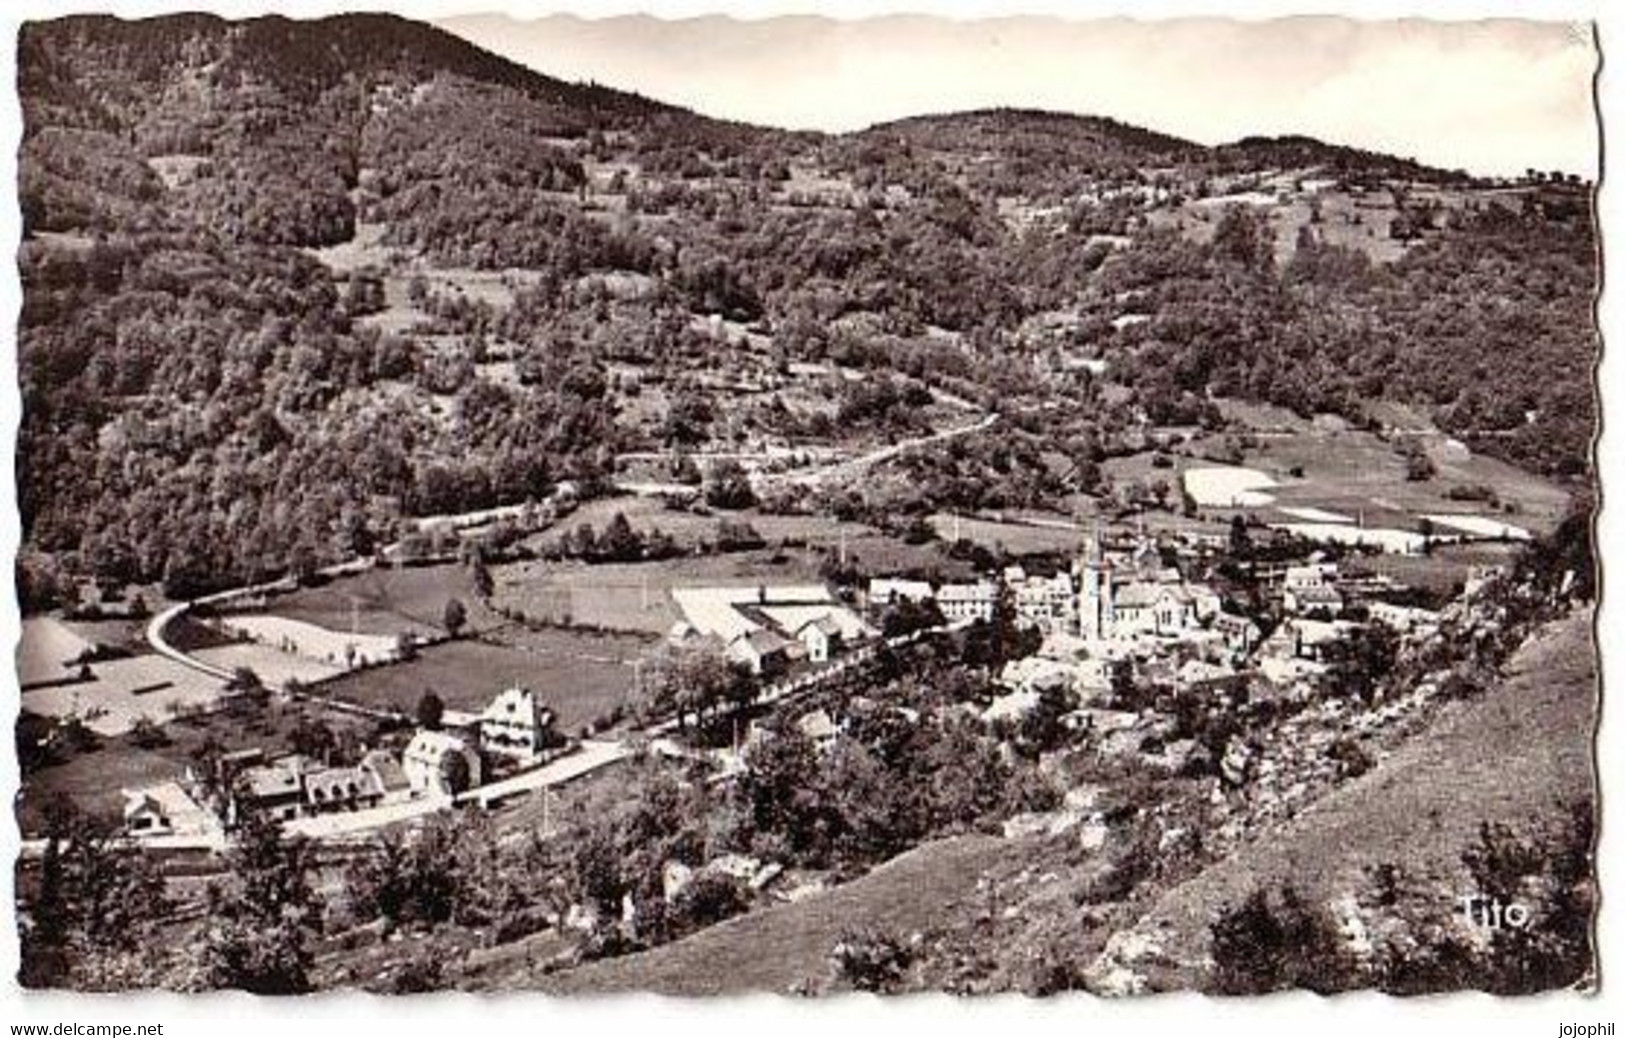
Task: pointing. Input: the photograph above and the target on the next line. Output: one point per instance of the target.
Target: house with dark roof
(144, 815)
(387, 774)
(275, 790)
(341, 789)
(761, 651)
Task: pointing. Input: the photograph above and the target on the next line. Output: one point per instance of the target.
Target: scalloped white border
(522, 1016)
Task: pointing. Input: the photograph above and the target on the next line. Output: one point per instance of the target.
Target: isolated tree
(728, 486)
(620, 542)
(455, 775)
(431, 711)
(484, 586)
(455, 617)
(312, 737)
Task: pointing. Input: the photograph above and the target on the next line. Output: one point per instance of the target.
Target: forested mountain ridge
(246, 345)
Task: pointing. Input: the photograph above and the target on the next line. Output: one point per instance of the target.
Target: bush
(871, 960)
(710, 898)
(1275, 943)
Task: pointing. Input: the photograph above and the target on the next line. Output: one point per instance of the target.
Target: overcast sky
(1491, 97)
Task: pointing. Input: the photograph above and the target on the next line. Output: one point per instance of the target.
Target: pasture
(633, 596)
(1031, 537)
(1310, 471)
(636, 596)
(580, 676)
(386, 601)
(122, 691)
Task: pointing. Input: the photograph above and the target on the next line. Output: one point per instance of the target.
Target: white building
(1313, 598)
(1154, 609)
(1402, 618)
(885, 591)
(968, 601)
(1314, 574)
(821, 639)
(1046, 600)
(426, 762)
(516, 724)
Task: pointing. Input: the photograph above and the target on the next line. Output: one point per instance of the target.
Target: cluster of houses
(1129, 606)
(1099, 598)
(766, 628)
(515, 731)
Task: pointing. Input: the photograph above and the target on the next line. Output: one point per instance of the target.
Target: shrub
(1271, 943)
(871, 960)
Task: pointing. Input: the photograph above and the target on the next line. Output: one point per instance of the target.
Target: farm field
(690, 529)
(633, 596)
(1017, 538)
(272, 666)
(311, 641)
(581, 677)
(1301, 471)
(636, 596)
(386, 601)
(122, 691)
(1447, 566)
(45, 650)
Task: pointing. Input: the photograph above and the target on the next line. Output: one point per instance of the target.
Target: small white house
(425, 761)
(820, 639)
(761, 651)
(144, 815)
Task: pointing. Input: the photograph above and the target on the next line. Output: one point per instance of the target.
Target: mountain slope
(1519, 757)
(182, 332)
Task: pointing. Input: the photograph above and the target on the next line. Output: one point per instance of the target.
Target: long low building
(732, 613)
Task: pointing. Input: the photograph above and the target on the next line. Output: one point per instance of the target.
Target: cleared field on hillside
(776, 948)
(123, 691)
(1013, 537)
(633, 596)
(1447, 566)
(636, 596)
(385, 601)
(579, 676)
(1325, 465)
(690, 529)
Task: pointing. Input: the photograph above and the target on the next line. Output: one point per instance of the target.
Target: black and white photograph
(703, 506)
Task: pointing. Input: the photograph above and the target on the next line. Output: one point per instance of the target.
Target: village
(1129, 610)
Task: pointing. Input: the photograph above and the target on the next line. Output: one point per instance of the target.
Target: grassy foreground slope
(1513, 757)
(780, 947)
